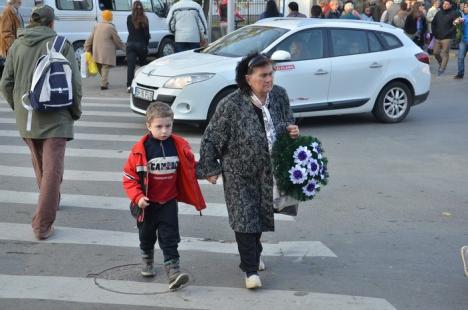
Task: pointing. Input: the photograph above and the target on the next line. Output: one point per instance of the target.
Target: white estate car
(328, 67)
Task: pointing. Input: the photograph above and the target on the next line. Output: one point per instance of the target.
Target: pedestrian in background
(429, 18)
(237, 143)
(416, 25)
(50, 130)
(103, 43)
(316, 11)
(334, 11)
(187, 22)
(384, 18)
(160, 171)
(400, 18)
(325, 6)
(367, 15)
(294, 10)
(443, 30)
(348, 12)
(10, 22)
(138, 40)
(222, 12)
(463, 45)
(271, 10)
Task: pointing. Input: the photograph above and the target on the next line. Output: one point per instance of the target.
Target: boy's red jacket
(187, 185)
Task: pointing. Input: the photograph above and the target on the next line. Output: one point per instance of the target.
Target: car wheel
(393, 103)
(79, 49)
(222, 94)
(166, 47)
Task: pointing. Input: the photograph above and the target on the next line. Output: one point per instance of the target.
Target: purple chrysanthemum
(310, 189)
(297, 174)
(302, 155)
(313, 167)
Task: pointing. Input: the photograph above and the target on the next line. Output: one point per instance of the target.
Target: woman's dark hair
(271, 10)
(316, 11)
(293, 6)
(403, 6)
(139, 18)
(246, 66)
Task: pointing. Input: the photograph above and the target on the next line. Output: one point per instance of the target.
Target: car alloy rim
(168, 49)
(78, 52)
(395, 102)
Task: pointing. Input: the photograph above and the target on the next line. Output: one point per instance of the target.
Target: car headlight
(179, 82)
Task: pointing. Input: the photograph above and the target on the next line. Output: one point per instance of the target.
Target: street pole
(210, 20)
(230, 16)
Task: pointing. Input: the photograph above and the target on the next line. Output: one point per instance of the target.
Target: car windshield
(244, 41)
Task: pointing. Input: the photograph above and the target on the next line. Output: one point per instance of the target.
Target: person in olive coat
(49, 130)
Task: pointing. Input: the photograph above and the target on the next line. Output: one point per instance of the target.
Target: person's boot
(174, 275)
(147, 264)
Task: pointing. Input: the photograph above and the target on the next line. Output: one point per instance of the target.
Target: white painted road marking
(86, 124)
(78, 175)
(193, 297)
(114, 203)
(96, 113)
(99, 137)
(67, 235)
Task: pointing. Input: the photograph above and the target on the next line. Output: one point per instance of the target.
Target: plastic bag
(83, 66)
(92, 67)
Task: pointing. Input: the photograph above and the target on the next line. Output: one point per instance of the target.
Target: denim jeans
(185, 46)
(462, 49)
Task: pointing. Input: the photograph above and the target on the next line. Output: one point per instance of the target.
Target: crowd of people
(432, 26)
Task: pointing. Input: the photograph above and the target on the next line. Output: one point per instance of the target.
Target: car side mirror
(281, 55)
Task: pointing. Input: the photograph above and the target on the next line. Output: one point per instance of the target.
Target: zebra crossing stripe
(77, 175)
(68, 235)
(128, 114)
(113, 203)
(84, 290)
(100, 137)
(86, 124)
(72, 152)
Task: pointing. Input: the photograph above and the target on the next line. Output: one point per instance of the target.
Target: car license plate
(144, 94)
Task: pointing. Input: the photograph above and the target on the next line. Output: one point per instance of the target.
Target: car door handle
(321, 72)
(375, 65)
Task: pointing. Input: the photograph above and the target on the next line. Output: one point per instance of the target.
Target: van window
(160, 8)
(115, 5)
(80, 5)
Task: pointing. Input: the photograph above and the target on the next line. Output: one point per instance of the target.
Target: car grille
(140, 103)
(147, 86)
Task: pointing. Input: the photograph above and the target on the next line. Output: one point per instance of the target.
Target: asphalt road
(385, 233)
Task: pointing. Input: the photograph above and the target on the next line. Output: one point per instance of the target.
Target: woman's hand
(143, 202)
(212, 179)
(293, 131)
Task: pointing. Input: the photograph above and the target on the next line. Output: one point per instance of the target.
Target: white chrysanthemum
(302, 155)
(310, 189)
(297, 174)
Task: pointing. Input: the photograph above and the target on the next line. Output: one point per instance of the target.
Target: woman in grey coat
(237, 144)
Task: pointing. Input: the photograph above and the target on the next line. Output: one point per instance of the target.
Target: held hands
(212, 179)
(143, 202)
(293, 131)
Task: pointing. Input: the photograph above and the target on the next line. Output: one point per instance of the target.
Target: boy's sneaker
(440, 72)
(458, 77)
(175, 276)
(147, 265)
(464, 255)
(261, 265)
(253, 281)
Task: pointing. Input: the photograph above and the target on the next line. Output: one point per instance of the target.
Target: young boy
(160, 171)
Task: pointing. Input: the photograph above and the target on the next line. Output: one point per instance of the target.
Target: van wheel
(214, 104)
(394, 103)
(166, 47)
(79, 49)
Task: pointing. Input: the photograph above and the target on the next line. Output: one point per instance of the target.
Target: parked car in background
(328, 67)
(75, 21)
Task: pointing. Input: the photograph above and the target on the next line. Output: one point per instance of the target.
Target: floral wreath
(299, 166)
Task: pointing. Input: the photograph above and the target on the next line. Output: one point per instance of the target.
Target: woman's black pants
(250, 248)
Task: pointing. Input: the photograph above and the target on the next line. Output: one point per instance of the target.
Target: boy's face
(160, 127)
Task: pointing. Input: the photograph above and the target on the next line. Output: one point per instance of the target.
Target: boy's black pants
(160, 223)
(250, 248)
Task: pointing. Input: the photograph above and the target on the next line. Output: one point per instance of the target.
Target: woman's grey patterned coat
(236, 137)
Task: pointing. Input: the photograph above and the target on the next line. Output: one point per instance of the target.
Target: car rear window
(374, 43)
(245, 40)
(349, 42)
(390, 40)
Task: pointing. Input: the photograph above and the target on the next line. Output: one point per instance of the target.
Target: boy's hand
(143, 202)
(212, 179)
